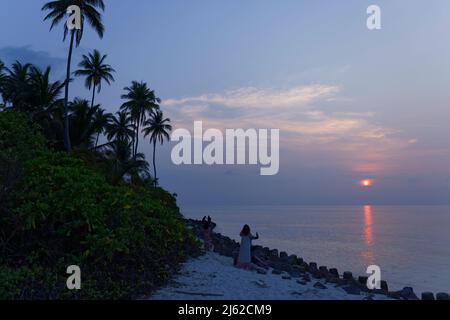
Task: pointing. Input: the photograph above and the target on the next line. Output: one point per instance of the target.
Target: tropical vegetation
(75, 188)
(57, 12)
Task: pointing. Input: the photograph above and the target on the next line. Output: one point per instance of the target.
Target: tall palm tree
(120, 128)
(140, 103)
(94, 68)
(158, 129)
(57, 11)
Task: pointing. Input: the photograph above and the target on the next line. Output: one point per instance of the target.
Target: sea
(410, 244)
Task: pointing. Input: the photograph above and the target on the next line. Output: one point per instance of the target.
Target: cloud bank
(311, 126)
(26, 54)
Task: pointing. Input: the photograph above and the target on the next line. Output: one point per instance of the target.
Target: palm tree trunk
(154, 162)
(133, 139)
(67, 143)
(137, 139)
(93, 97)
(96, 140)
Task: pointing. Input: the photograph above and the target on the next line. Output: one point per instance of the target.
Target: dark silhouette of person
(207, 226)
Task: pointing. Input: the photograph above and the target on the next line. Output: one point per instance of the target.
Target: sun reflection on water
(368, 254)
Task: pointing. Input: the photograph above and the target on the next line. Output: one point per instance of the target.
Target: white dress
(245, 249)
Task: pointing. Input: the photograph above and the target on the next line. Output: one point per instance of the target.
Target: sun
(367, 183)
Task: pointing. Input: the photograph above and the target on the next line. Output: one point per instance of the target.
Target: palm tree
(101, 121)
(28, 89)
(120, 128)
(2, 68)
(57, 11)
(158, 129)
(82, 123)
(16, 86)
(141, 101)
(95, 70)
(121, 161)
(45, 95)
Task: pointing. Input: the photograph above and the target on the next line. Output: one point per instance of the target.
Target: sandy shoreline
(213, 277)
(280, 276)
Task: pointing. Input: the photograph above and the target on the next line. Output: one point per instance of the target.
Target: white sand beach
(213, 277)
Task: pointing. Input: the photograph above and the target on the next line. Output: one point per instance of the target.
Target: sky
(350, 103)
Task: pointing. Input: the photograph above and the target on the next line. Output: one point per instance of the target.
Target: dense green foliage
(97, 206)
(58, 210)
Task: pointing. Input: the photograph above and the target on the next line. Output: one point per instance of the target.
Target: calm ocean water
(411, 244)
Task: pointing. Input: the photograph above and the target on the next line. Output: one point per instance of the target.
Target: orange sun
(366, 183)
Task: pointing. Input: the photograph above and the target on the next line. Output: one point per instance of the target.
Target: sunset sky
(351, 104)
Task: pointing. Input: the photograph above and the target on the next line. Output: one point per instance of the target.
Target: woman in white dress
(245, 257)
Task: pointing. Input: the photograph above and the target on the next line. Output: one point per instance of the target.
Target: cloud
(255, 98)
(27, 54)
(309, 125)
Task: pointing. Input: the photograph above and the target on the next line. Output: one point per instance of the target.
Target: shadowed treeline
(74, 188)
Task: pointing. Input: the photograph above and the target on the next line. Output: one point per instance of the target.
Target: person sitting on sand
(207, 228)
(244, 260)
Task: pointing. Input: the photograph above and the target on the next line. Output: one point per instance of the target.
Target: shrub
(127, 240)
